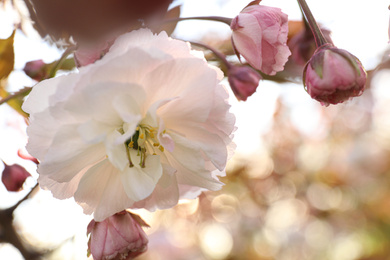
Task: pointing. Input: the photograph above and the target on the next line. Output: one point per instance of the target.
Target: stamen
(143, 139)
(128, 156)
(143, 158)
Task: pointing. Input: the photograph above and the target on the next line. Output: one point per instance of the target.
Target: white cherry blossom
(143, 127)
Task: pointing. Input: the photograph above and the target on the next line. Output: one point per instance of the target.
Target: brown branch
(8, 233)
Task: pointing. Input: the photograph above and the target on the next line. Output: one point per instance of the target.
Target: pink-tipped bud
(14, 176)
(117, 237)
(333, 75)
(35, 69)
(243, 81)
(260, 36)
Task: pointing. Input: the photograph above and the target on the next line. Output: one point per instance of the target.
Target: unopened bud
(334, 75)
(14, 176)
(243, 81)
(35, 69)
(260, 36)
(117, 237)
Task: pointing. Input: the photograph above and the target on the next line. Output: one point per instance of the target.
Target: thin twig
(24, 91)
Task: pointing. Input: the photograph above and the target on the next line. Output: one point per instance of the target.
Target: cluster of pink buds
(259, 34)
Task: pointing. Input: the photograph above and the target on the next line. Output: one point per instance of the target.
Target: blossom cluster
(144, 121)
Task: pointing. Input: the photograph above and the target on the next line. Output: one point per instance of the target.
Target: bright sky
(359, 26)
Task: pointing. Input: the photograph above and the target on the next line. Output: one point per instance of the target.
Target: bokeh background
(306, 182)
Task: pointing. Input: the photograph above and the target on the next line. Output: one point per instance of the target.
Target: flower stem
(318, 35)
(207, 18)
(58, 64)
(218, 54)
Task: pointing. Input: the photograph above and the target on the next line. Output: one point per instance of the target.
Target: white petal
(116, 153)
(41, 133)
(38, 99)
(211, 144)
(100, 191)
(194, 89)
(59, 190)
(93, 131)
(166, 193)
(139, 182)
(187, 159)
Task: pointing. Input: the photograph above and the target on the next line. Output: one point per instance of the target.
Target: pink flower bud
(117, 237)
(260, 35)
(243, 81)
(14, 176)
(35, 69)
(333, 75)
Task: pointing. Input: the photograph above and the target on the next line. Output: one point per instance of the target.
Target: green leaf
(16, 101)
(7, 61)
(7, 57)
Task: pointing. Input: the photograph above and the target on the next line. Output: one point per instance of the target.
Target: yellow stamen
(161, 148)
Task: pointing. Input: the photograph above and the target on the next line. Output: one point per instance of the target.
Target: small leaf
(15, 102)
(7, 56)
(171, 14)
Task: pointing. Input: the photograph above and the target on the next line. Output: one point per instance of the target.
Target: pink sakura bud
(260, 36)
(333, 75)
(243, 81)
(35, 69)
(117, 237)
(13, 177)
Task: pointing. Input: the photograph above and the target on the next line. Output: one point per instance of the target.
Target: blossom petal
(68, 155)
(139, 182)
(165, 195)
(186, 87)
(100, 191)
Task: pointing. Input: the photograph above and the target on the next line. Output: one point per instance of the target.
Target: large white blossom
(143, 127)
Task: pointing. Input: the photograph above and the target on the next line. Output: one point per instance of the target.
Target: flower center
(143, 140)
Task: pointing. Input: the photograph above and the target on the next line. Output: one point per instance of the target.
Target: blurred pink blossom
(334, 75)
(243, 81)
(14, 176)
(303, 45)
(119, 237)
(260, 36)
(87, 54)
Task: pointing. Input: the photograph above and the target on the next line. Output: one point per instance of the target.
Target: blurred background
(306, 182)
